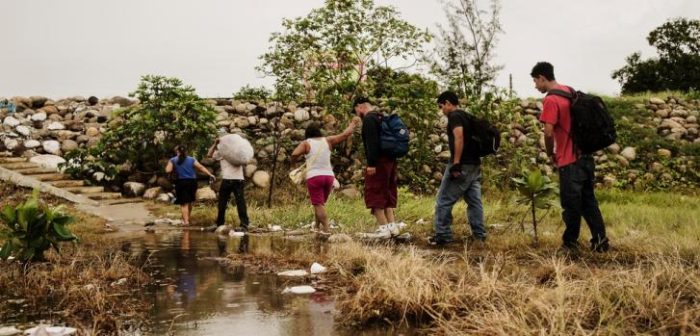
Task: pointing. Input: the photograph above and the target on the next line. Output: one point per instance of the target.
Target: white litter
(294, 273)
(236, 150)
(9, 331)
(50, 331)
(317, 268)
(236, 234)
(275, 228)
(299, 290)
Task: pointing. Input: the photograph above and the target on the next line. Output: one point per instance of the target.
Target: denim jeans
(468, 186)
(578, 200)
(236, 187)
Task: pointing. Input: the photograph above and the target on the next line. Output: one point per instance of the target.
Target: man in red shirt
(576, 171)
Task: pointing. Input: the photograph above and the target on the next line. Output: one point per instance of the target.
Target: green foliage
(324, 56)
(86, 164)
(678, 67)
(536, 191)
(466, 48)
(168, 114)
(30, 229)
(249, 93)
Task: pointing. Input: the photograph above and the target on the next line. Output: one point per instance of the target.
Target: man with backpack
(568, 116)
(381, 189)
(462, 178)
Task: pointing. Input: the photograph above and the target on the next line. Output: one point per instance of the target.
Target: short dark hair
(313, 131)
(545, 69)
(448, 96)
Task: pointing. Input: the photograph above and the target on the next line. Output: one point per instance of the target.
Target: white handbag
(298, 175)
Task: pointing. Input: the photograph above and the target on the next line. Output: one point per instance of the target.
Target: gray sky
(102, 47)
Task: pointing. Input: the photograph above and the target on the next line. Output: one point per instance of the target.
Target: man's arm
(549, 142)
(212, 149)
(458, 133)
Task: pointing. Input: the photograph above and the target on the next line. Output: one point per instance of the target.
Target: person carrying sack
(318, 172)
(233, 181)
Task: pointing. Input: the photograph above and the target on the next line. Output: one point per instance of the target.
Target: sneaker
(600, 247)
(434, 241)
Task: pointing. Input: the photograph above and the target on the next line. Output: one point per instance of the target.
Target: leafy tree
(324, 57)
(168, 114)
(256, 94)
(465, 49)
(677, 43)
(31, 229)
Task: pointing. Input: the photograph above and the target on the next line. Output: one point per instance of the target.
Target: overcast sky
(63, 48)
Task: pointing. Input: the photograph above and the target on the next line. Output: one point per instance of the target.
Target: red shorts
(320, 188)
(381, 190)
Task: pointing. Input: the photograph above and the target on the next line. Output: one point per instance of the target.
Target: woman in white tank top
(319, 170)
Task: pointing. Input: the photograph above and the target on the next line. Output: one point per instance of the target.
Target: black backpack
(485, 137)
(393, 136)
(592, 127)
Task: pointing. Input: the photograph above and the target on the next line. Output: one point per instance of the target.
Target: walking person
(233, 182)
(319, 169)
(462, 177)
(186, 185)
(381, 188)
(576, 170)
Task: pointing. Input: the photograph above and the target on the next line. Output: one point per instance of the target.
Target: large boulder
(56, 126)
(23, 130)
(39, 116)
(629, 153)
(656, 101)
(301, 115)
(205, 194)
(52, 147)
(38, 101)
(48, 161)
(31, 144)
(10, 121)
(134, 189)
(664, 153)
(11, 144)
(123, 101)
(250, 170)
(152, 193)
(261, 179)
(68, 145)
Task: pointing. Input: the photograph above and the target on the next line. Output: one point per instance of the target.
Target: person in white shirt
(319, 170)
(233, 182)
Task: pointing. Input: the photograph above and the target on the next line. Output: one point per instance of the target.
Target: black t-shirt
(470, 152)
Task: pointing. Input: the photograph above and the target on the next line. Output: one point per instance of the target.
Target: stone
(657, 167)
(621, 159)
(23, 130)
(261, 179)
(241, 122)
(52, 147)
(92, 132)
(48, 161)
(250, 170)
(39, 116)
(669, 124)
(10, 121)
(68, 145)
(614, 148)
(444, 155)
(31, 144)
(657, 101)
(56, 126)
(123, 101)
(301, 115)
(134, 189)
(609, 180)
(205, 194)
(152, 193)
(351, 193)
(665, 153)
(666, 177)
(241, 108)
(11, 144)
(49, 110)
(629, 153)
(662, 113)
(38, 101)
(691, 119)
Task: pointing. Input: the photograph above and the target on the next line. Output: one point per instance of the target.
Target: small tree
(168, 114)
(677, 43)
(466, 47)
(536, 191)
(324, 56)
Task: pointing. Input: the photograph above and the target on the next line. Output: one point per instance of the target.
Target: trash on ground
(275, 228)
(317, 268)
(236, 234)
(50, 331)
(294, 273)
(299, 290)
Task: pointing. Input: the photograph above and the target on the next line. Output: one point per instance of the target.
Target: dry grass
(91, 285)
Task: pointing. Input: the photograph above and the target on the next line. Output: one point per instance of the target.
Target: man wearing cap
(381, 189)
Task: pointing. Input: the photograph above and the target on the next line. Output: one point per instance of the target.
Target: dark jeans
(227, 187)
(451, 190)
(578, 200)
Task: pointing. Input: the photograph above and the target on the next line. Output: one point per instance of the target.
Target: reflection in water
(204, 298)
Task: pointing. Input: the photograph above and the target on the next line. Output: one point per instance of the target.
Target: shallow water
(199, 296)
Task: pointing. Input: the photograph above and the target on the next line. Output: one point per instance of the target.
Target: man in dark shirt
(381, 189)
(462, 178)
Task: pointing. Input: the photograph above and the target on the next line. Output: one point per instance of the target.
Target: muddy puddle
(197, 295)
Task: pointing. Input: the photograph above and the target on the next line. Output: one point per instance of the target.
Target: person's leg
(239, 194)
(449, 193)
(224, 197)
(389, 214)
(185, 214)
(380, 216)
(570, 186)
(189, 212)
(475, 209)
(322, 217)
(591, 211)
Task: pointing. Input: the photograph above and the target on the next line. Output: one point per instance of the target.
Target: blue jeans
(578, 200)
(451, 190)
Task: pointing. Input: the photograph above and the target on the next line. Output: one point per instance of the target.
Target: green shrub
(30, 229)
